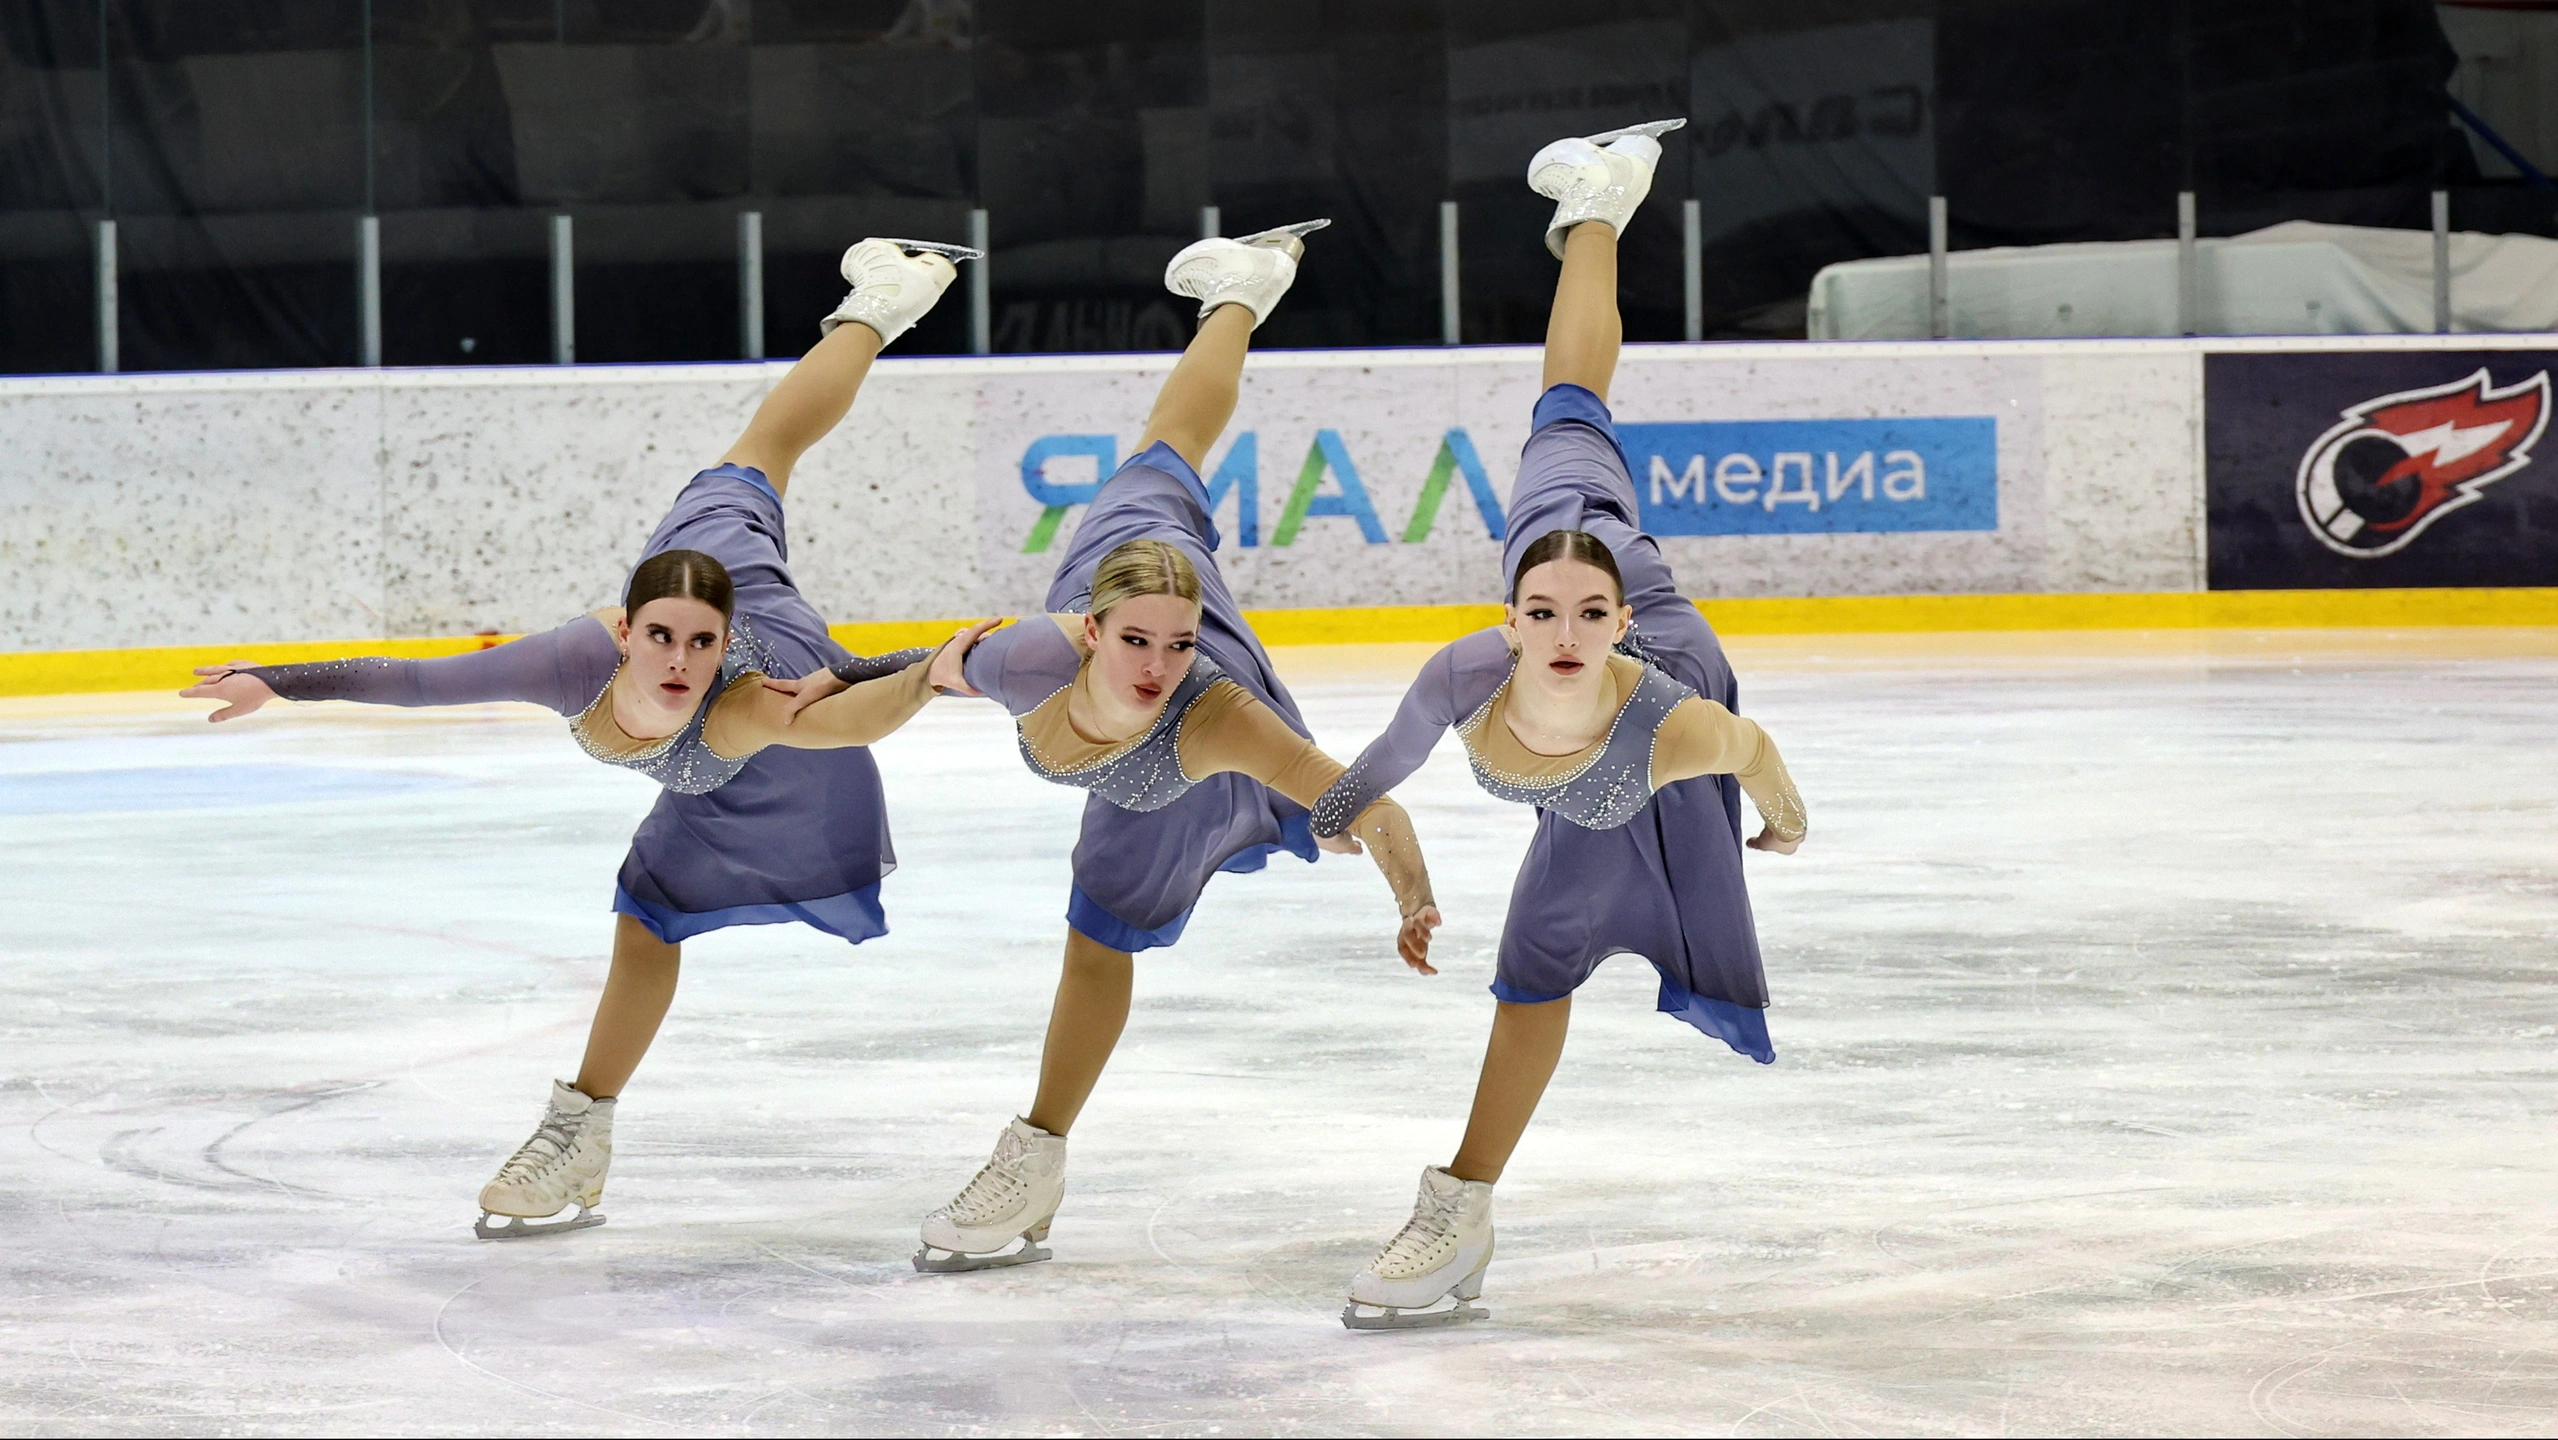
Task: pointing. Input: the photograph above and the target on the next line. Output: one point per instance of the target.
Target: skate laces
(997, 1185)
(1424, 1238)
(552, 1141)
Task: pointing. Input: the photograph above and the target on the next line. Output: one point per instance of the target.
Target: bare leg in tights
(809, 401)
(1191, 411)
(1582, 336)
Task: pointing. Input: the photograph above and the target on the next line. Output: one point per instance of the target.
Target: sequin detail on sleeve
(871, 667)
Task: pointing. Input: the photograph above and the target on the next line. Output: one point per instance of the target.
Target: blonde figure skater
(1144, 686)
(771, 809)
(1604, 700)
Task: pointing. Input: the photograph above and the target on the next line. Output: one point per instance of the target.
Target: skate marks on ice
(2153, 1058)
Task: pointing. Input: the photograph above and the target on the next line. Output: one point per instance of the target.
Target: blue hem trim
(752, 476)
(1577, 404)
(853, 916)
(1739, 1026)
(1504, 990)
(1089, 920)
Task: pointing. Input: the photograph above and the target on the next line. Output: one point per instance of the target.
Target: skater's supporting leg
(636, 994)
(809, 402)
(1583, 332)
(1527, 1040)
(1083, 1028)
(1198, 397)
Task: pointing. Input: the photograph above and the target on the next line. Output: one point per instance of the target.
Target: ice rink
(2165, 1033)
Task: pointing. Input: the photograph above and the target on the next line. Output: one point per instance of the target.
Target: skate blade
(936, 247)
(1288, 238)
(952, 1262)
(1654, 128)
(1281, 232)
(1359, 1316)
(518, 1227)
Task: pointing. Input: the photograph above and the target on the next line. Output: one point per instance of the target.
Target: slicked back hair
(1578, 545)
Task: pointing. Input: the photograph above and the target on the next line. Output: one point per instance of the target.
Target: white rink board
(210, 509)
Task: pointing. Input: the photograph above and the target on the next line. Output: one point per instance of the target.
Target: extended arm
(871, 667)
(563, 670)
(1228, 730)
(1700, 737)
(1428, 709)
(750, 717)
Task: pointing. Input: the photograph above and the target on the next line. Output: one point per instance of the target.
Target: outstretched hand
(239, 692)
(805, 691)
(1767, 840)
(1414, 940)
(950, 663)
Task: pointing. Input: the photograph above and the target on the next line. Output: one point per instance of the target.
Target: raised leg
(1083, 1027)
(636, 994)
(1583, 331)
(1527, 1040)
(811, 400)
(1198, 397)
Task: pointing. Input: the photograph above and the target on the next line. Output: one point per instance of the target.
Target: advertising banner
(1389, 483)
(2377, 468)
(1815, 477)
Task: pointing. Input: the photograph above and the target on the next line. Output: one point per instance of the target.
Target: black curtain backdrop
(229, 141)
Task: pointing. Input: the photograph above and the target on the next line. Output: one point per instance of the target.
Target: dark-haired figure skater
(1144, 685)
(771, 811)
(1604, 700)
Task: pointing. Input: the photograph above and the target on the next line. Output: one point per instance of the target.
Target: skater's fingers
(1342, 844)
(1768, 840)
(787, 687)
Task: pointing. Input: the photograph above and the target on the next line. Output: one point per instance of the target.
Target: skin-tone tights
(1197, 400)
(1582, 335)
(810, 400)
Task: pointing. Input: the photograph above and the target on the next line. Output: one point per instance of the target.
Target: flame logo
(2397, 464)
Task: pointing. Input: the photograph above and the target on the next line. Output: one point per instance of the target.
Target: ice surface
(2165, 1039)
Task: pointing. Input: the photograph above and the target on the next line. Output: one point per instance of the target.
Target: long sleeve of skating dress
(562, 670)
(750, 717)
(1452, 685)
(1228, 730)
(1700, 737)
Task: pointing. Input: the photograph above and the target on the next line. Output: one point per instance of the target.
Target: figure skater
(771, 809)
(1145, 686)
(1605, 701)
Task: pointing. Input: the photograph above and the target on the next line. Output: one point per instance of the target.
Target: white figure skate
(1441, 1254)
(563, 1164)
(1599, 177)
(1012, 1198)
(894, 282)
(1250, 270)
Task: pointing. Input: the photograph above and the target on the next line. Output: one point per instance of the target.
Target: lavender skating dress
(1138, 871)
(782, 835)
(1609, 871)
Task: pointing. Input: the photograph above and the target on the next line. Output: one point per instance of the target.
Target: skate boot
(562, 1165)
(894, 282)
(1012, 1198)
(1252, 270)
(1597, 177)
(1440, 1255)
